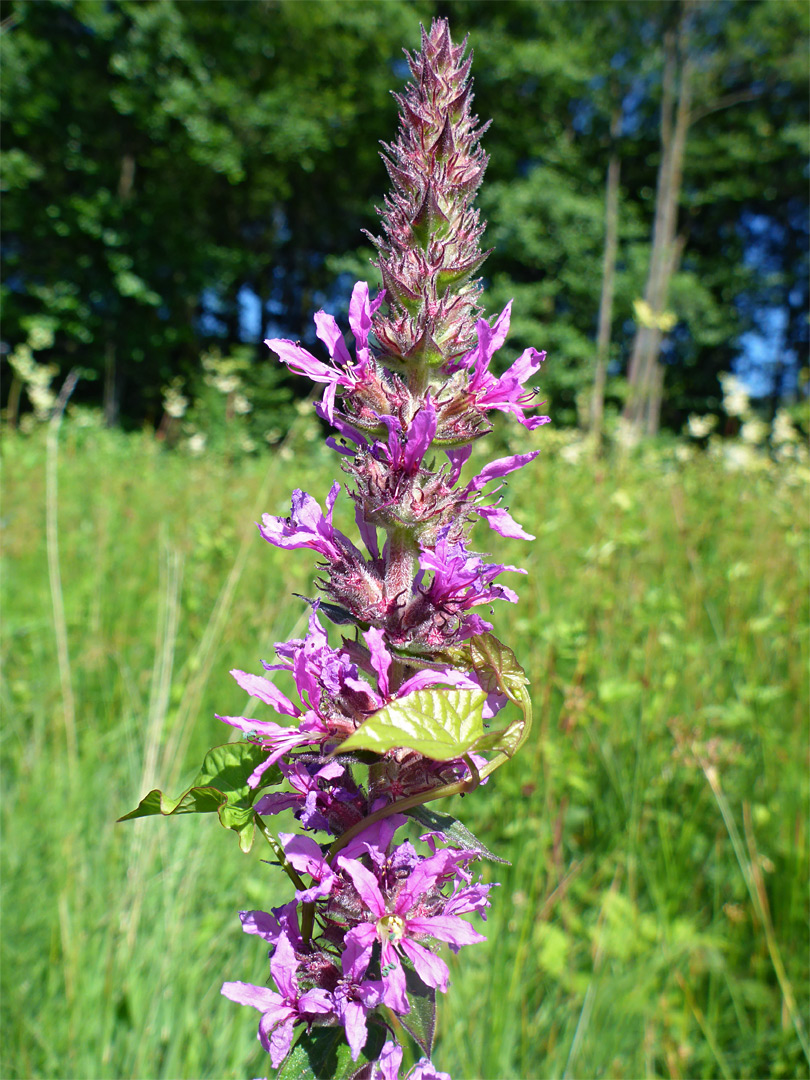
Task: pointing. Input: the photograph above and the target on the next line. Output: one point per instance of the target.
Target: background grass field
(654, 919)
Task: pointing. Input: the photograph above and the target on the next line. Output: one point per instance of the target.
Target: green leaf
(228, 767)
(454, 832)
(324, 1054)
(220, 787)
(440, 723)
(420, 1022)
(241, 820)
(496, 666)
(193, 801)
(508, 740)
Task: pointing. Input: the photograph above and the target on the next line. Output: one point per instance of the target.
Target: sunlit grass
(656, 824)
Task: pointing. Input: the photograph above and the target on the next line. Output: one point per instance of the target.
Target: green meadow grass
(653, 921)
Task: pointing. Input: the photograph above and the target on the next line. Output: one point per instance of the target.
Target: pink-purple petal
(300, 361)
(259, 687)
(381, 658)
(258, 997)
(499, 468)
(387, 1065)
(375, 838)
(353, 1018)
(449, 928)
(420, 435)
(458, 455)
(358, 944)
(315, 1001)
(430, 968)
(503, 523)
(261, 923)
(283, 966)
(393, 978)
(280, 1036)
(365, 883)
(330, 334)
(430, 677)
(360, 315)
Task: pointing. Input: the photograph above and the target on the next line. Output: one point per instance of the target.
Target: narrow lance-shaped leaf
(420, 1022)
(455, 833)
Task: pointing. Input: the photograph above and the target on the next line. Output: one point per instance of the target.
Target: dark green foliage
(159, 157)
(323, 1054)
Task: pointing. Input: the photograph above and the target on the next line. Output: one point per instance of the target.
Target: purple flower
(353, 1000)
(506, 393)
(308, 527)
(315, 796)
(462, 580)
(375, 840)
(407, 447)
(334, 696)
(424, 1069)
(265, 691)
(395, 926)
(345, 374)
(387, 1066)
(280, 1011)
(409, 598)
(278, 740)
(282, 922)
(499, 468)
(306, 857)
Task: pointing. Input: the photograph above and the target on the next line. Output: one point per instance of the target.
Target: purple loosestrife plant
(412, 691)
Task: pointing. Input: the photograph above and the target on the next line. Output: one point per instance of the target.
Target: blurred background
(182, 180)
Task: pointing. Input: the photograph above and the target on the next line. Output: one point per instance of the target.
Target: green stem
(418, 379)
(473, 770)
(307, 910)
(278, 851)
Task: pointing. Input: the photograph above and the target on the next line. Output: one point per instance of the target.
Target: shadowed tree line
(178, 176)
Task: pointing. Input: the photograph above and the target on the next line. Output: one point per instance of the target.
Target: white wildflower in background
(736, 400)
(42, 398)
(196, 443)
(783, 431)
(754, 431)
(572, 453)
(84, 416)
(741, 457)
(241, 405)
(626, 434)
(226, 384)
(701, 426)
(684, 452)
(36, 378)
(175, 403)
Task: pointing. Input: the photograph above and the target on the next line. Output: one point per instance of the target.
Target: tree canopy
(182, 175)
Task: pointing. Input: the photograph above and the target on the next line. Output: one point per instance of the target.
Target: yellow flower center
(391, 926)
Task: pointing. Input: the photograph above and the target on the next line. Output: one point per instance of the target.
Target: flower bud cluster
(418, 384)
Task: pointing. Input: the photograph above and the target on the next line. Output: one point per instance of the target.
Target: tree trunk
(112, 397)
(608, 281)
(645, 373)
